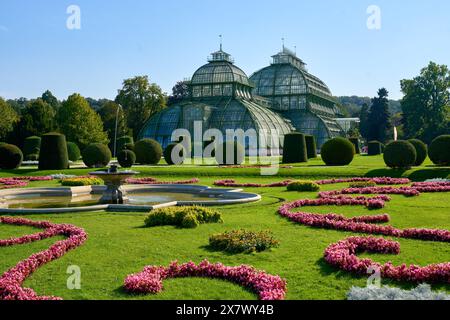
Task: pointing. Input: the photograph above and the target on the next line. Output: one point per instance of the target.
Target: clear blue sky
(169, 39)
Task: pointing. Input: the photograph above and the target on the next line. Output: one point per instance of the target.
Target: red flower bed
(268, 287)
(11, 281)
(153, 181)
(20, 182)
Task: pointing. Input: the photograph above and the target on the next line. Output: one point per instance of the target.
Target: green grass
(119, 245)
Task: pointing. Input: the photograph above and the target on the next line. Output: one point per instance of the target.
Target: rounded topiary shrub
(337, 152)
(230, 153)
(128, 146)
(126, 158)
(96, 155)
(123, 141)
(355, 142)
(32, 157)
(303, 186)
(148, 151)
(421, 151)
(176, 149)
(400, 154)
(294, 148)
(73, 151)
(311, 146)
(53, 154)
(374, 148)
(11, 157)
(31, 145)
(439, 151)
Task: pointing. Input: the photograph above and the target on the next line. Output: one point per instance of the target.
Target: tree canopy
(108, 113)
(7, 120)
(379, 117)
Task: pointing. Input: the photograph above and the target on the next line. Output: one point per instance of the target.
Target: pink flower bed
(11, 281)
(268, 287)
(343, 255)
(233, 184)
(20, 182)
(153, 181)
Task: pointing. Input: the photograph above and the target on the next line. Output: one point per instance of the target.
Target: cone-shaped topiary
(294, 148)
(229, 153)
(400, 154)
(53, 154)
(338, 152)
(123, 141)
(126, 158)
(311, 146)
(421, 151)
(96, 155)
(355, 142)
(439, 151)
(180, 153)
(11, 157)
(148, 151)
(31, 146)
(73, 151)
(374, 148)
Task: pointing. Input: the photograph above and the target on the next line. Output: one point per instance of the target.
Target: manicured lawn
(119, 245)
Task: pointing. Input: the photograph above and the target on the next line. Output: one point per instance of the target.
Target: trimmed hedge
(80, 182)
(96, 155)
(183, 217)
(168, 154)
(311, 146)
(294, 148)
(126, 158)
(11, 156)
(122, 141)
(31, 146)
(53, 154)
(73, 151)
(421, 151)
(243, 241)
(303, 186)
(400, 154)
(355, 142)
(338, 152)
(439, 151)
(374, 148)
(222, 156)
(148, 151)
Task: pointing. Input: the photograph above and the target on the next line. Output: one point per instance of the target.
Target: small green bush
(222, 156)
(96, 155)
(243, 241)
(338, 152)
(31, 145)
(421, 151)
(400, 154)
(11, 157)
(311, 146)
(32, 157)
(80, 182)
(294, 148)
(53, 154)
(126, 158)
(128, 146)
(183, 217)
(148, 151)
(303, 186)
(363, 184)
(355, 142)
(73, 151)
(168, 154)
(374, 148)
(439, 151)
(122, 142)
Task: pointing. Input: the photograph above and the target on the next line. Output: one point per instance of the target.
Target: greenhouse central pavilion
(276, 100)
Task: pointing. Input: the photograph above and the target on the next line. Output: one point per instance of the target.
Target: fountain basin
(141, 198)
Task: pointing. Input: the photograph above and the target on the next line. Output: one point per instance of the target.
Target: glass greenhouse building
(279, 99)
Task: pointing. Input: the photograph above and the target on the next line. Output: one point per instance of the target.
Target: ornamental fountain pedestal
(114, 180)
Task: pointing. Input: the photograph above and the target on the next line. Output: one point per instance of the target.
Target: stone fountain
(114, 180)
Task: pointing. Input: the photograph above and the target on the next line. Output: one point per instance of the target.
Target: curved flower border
(20, 182)
(153, 181)
(150, 280)
(11, 281)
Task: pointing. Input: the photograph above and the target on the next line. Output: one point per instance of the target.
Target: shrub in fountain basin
(126, 158)
(53, 154)
(73, 151)
(338, 152)
(96, 155)
(421, 151)
(183, 217)
(400, 154)
(439, 151)
(11, 157)
(148, 151)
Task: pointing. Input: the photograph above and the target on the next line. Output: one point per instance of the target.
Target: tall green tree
(80, 123)
(364, 121)
(180, 91)
(426, 104)
(379, 117)
(49, 98)
(8, 117)
(108, 112)
(140, 100)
